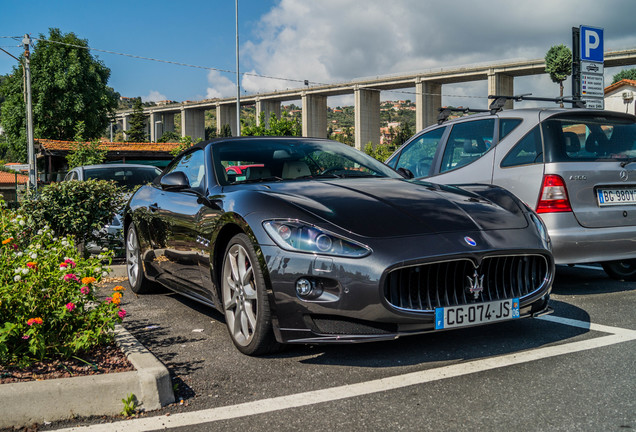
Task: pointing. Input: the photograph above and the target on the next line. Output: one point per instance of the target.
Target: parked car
(324, 244)
(575, 167)
(127, 175)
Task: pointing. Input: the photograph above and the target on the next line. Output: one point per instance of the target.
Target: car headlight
(299, 236)
(541, 228)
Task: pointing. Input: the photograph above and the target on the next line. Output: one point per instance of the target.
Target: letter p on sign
(592, 44)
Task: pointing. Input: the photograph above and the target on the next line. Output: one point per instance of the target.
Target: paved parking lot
(574, 370)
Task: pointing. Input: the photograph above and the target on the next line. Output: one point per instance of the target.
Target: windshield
(257, 160)
(123, 176)
(589, 138)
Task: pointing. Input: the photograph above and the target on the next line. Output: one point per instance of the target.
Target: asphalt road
(530, 375)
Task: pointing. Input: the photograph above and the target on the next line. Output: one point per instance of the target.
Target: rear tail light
(553, 196)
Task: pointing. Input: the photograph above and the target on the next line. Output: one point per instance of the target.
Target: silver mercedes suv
(575, 167)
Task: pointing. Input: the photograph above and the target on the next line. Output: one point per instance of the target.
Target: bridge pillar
(367, 117)
(124, 126)
(156, 130)
(428, 100)
(193, 123)
(314, 115)
(168, 122)
(267, 108)
(226, 114)
(501, 85)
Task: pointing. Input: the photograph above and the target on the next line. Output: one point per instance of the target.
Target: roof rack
(445, 112)
(499, 101)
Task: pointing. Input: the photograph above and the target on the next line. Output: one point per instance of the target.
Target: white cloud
(339, 40)
(220, 86)
(154, 96)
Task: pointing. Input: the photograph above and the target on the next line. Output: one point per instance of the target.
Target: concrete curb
(37, 401)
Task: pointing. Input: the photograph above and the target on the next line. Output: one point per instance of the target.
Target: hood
(395, 207)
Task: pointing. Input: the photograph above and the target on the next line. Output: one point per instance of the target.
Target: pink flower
(25, 337)
(70, 277)
(70, 262)
(70, 306)
(85, 290)
(63, 266)
(109, 300)
(122, 313)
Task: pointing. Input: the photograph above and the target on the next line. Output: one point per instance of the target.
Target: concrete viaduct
(428, 98)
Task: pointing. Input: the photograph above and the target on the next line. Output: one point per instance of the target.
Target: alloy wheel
(240, 295)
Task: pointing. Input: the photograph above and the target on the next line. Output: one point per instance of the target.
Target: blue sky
(200, 32)
(323, 41)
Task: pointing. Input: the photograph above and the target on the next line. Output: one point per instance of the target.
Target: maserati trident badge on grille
(475, 284)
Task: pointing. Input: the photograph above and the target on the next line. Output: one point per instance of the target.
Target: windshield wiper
(628, 161)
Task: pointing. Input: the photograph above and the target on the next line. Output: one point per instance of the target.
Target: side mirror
(175, 181)
(405, 172)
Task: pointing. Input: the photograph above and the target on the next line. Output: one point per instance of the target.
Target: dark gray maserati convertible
(302, 240)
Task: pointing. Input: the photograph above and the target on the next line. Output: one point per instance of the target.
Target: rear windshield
(589, 139)
(127, 177)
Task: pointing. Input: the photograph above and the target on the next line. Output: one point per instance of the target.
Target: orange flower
(9, 240)
(119, 288)
(32, 321)
(88, 280)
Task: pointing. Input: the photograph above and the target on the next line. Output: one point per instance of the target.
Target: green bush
(48, 304)
(75, 208)
(380, 152)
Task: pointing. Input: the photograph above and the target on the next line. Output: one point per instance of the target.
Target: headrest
(295, 169)
(572, 142)
(252, 173)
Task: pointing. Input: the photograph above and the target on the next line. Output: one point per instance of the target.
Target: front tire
(245, 302)
(134, 265)
(621, 270)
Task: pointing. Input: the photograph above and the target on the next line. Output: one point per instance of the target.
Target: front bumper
(353, 306)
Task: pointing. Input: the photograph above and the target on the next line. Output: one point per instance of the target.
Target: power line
(170, 61)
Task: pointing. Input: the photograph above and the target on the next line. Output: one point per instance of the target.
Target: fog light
(303, 287)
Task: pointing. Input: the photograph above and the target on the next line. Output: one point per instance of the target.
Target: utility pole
(33, 178)
(238, 84)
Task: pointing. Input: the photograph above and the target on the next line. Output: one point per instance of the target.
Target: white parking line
(616, 335)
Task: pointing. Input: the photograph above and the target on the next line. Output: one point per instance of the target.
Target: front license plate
(610, 197)
(479, 313)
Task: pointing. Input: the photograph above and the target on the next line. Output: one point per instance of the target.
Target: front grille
(428, 286)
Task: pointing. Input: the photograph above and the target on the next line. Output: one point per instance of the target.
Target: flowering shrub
(48, 304)
(77, 208)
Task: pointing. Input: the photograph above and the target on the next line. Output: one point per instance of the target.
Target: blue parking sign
(592, 44)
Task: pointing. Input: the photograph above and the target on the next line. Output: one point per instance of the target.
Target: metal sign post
(588, 82)
(33, 178)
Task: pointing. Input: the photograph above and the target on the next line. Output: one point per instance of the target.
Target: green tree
(402, 135)
(283, 126)
(68, 85)
(226, 131)
(380, 152)
(169, 136)
(86, 154)
(629, 74)
(137, 124)
(558, 63)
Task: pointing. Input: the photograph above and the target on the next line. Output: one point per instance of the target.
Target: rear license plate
(610, 197)
(479, 313)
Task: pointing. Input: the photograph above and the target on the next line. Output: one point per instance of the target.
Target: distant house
(10, 183)
(620, 96)
(52, 154)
